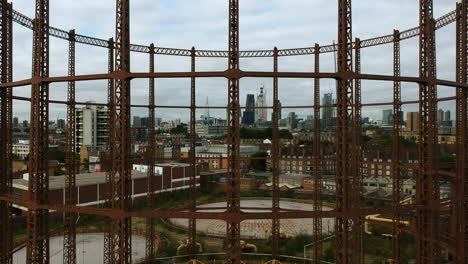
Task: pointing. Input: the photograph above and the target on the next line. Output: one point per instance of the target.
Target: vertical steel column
(461, 197)
(344, 244)
(396, 175)
(233, 139)
(69, 237)
(119, 249)
(38, 183)
(356, 158)
(150, 155)
(316, 161)
(427, 186)
(192, 236)
(276, 225)
(6, 243)
(107, 157)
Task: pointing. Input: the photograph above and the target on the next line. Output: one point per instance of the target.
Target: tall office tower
(136, 121)
(92, 127)
(261, 113)
(158, 121)
(291, 121)
(447, 116)
(387, 117)
(248, 118)
(440, 116)
(412, 121)
(15, 122)
(25, 124)
(279, 110)
(145, 122)
(61, 124)
(327, 111)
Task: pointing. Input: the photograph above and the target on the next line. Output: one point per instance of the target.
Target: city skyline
(255, 18)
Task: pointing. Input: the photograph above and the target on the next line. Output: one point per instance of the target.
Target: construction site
(148, 196)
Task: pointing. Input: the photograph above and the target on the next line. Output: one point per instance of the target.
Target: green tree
(259, 164)
(258, 133)
(329, 255)
(180, 129)
(284, 133)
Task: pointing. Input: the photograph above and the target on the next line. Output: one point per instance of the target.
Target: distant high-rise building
(61, 124)
(387, 117)
(279, 110)
(261, 113)
(327, 111)
(248, 118)
(92, 127)
(447, 116)
(440, 116)
(145, 122)
(15, 122)
(25, 124)
(444, 118)
(412, 121)
(136, 121)
(447, 119)
(291, 121)
(158, 121)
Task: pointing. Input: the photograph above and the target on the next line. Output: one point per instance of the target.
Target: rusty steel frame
(38, 184)
(347, 228)
(356, 156)
(233, 249)
(460, 212)
(275, 225)
(317, 163)
(427, 187)
(6, 105)
(150, 156)
(396, 159)
(348, 211)
(119, 237)
(192, 228)
(69, 237)
(109, 144)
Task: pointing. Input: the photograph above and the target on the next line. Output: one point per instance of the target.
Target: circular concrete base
(259, 228)
(89, 249)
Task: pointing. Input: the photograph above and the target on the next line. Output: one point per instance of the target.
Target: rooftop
(82, 179)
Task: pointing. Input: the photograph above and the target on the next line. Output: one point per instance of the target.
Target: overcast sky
(204, 25)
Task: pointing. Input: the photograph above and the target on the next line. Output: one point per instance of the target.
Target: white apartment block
(92, 128)
(21, 149)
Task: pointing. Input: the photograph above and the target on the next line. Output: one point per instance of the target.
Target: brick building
(92, 188)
